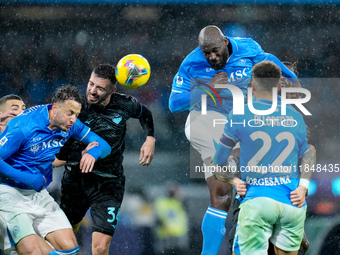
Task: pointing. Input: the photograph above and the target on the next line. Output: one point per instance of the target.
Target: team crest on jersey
(35, 148)
(179, 80)
(3, 141)
(117, 118)
(242, 61)
(208, 69)
(63, 134)
(16, 230)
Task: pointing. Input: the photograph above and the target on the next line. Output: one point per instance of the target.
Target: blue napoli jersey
(270, 147)
(27, 144)
(195, 73)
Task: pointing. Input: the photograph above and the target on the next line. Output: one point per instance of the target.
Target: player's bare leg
(220, 194)
(33, 245)
(304, 244)
(278, 251)
(100, 243)
(63, 239)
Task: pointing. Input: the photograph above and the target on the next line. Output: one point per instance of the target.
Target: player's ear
(253, 85)
(279, 86)
(226, 41)
(113, 90)
(54, 108)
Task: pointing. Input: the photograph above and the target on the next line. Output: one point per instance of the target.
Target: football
(133, 71)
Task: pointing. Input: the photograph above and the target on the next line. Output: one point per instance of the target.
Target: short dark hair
(67, 92)
(266, 74)
(4, 99)
(106, 71)
(293, 66)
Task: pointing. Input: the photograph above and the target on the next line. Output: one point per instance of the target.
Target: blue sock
(74, 251)
(213, 230)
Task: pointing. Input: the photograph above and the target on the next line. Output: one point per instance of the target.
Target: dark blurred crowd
(38, 54)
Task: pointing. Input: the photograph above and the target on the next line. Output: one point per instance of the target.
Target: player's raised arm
(148, 148)
(285, 71)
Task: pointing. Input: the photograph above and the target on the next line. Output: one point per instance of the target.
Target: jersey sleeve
(180, 92)
(257, 52)
(227, 141)
(10, 142)
(79, 130)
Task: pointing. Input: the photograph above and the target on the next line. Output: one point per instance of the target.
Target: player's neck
(264, 95)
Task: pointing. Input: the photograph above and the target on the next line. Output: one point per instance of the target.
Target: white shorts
(203, 130)
(27, 212)
(262, 219)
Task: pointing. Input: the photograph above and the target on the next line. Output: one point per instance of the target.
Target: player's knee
(100, 248)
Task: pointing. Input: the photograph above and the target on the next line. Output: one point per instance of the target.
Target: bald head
(214, 46)
(210, 35)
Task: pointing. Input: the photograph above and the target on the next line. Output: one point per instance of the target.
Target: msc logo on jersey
(239, 74)
(3, 141)
(117, 118)
(35, 148)
(53, 143)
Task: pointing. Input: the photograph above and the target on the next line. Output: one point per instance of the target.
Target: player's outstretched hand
(219, 78)
(241, 187)
(298, 196)
(87, 163)
(147, 151)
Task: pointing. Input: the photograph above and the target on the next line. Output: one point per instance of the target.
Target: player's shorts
(202, 130)
(104, 195)
(27, 212)
(262, 219)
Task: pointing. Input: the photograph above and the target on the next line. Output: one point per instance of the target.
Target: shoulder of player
(241, 46)
(30, 117)
(119, 98)
(194, 58)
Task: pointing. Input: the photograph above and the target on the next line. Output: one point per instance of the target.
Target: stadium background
(47, 43)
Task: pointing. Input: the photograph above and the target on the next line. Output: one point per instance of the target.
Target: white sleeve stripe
(223, 217)
(85, 135)
(219, 212)
(176, 91)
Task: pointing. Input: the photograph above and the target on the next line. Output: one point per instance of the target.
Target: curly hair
(67, 92)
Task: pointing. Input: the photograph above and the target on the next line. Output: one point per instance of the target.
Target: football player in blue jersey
(10, 106)
(217, 60)
(273, 189)
(27, 149)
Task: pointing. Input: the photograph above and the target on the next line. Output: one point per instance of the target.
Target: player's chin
(217, 65)
(66, 128)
